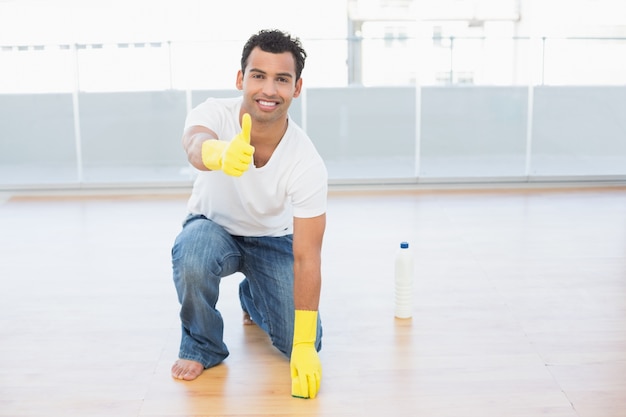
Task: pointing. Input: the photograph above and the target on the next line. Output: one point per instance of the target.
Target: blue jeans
(202, 255)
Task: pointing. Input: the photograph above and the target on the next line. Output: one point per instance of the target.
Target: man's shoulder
(214, 112)
(299, 138)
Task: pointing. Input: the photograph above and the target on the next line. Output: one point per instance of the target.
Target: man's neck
(269, 134)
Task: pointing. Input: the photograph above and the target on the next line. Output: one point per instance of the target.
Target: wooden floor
(520, 310)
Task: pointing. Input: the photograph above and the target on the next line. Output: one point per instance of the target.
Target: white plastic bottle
(404, 270)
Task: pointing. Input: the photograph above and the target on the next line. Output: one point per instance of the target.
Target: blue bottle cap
(404, 245)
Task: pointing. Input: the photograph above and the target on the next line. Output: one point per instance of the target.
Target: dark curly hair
(276, 42)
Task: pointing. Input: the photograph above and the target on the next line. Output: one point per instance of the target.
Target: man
(258, 207)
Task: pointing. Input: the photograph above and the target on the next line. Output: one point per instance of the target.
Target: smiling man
(258, 207)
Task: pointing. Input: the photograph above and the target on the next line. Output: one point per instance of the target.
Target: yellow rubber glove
(233, 157)
(306, 368)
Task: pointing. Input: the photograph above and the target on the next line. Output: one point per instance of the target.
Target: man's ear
(239, 82)
(298, 88)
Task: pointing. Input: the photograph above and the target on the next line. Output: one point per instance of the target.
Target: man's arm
(306, 369)
(307, 253)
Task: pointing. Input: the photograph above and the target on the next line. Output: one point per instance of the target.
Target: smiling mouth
(265, 103)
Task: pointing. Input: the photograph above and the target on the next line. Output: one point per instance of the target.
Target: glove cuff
(212, 151)
(305, 327)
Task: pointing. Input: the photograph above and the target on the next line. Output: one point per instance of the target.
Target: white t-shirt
(263, 201)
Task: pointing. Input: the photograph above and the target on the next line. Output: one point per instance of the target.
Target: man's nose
(269, 87)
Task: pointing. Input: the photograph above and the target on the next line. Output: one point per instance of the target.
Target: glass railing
(157, 66)
(379, 109)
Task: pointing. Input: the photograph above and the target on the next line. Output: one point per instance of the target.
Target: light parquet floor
(520, 310)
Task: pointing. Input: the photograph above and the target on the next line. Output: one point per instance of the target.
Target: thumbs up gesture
(233, 157)
(238, 154)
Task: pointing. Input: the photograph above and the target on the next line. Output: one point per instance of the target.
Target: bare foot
(247, 321)
(186, 370)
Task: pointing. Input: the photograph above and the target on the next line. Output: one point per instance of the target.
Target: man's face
(268, 84)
